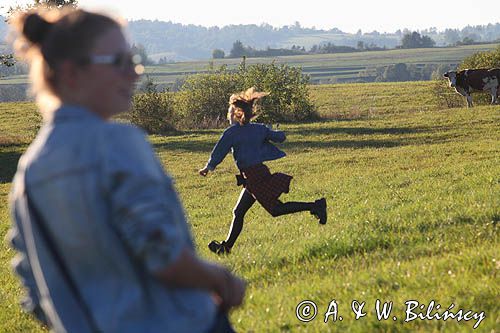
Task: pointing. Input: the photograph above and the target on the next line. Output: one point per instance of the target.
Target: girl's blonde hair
(242, 105)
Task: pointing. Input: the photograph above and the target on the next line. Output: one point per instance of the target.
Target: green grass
(414, 204)
(358, 100)
(14, 79)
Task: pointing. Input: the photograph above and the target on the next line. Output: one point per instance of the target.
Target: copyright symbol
(306, 311)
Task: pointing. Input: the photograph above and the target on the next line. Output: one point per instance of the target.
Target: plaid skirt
(264, 186)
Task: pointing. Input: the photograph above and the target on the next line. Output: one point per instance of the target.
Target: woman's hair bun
(35, 28)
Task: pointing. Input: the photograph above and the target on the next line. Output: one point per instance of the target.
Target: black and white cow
(469, 80)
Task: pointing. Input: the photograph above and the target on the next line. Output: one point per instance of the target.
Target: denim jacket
(115, 218)
(250, 145)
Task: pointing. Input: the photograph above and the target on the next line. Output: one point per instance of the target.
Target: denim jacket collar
(74, 112)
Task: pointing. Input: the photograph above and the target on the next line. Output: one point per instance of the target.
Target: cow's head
(452, 78)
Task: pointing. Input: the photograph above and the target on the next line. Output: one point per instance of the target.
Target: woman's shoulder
(122, 130)
(123, 137)
(125, 146)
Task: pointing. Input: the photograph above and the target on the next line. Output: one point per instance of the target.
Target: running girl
(250, 144)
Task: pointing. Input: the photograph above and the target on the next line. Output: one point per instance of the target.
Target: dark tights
(245, 202)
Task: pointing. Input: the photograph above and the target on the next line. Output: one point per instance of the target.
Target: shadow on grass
(207, 146)
(431, 136)
(357, 131)
(187, 133)
(339, 144)
(363, 142)
(203, 132)
(322, 138)
(8, 164)
(185, 145)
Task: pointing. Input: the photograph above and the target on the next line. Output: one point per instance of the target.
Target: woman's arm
(31, 302)
(148, 215)
(188, 271)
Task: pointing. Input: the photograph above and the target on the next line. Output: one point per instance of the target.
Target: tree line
(238, 50)
(186, 42)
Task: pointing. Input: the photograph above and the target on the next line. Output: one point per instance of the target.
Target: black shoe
(219, 247)
(319, 210)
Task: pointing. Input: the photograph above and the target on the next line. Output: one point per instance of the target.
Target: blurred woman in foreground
(102, 236)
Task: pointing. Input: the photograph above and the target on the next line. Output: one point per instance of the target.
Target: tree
(451, 36)
(466, 41)
(296, 26)
(141, 51)
(428, 42)
(56, 3)
(218, 54)
(238, 50)
(414, 40)
(396, 73)
(8, 59)
(43, 3)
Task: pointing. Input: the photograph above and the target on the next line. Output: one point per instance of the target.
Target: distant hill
(189, 42)
(179, 42)
(3, 34)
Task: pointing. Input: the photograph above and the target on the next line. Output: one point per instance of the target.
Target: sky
(346, 15)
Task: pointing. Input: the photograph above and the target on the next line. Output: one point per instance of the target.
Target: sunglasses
(124, 62)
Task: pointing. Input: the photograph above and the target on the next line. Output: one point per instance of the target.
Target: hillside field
(321, 68)
(413, 196)
(331, 68)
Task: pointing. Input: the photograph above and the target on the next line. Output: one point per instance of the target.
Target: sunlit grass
(413, 201)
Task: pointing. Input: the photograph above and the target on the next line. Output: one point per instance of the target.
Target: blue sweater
(250, 145)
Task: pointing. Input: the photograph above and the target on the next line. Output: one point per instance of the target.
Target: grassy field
(322, 68)
(413, 200)
(332, 67)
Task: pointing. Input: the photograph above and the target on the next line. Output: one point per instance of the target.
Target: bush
(202, 101)
(289, 96)
(487, 59)
(153, 110)
(218, 54)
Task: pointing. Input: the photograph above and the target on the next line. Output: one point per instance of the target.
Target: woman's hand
(229, 290)
(189, 271)
(203, 171)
